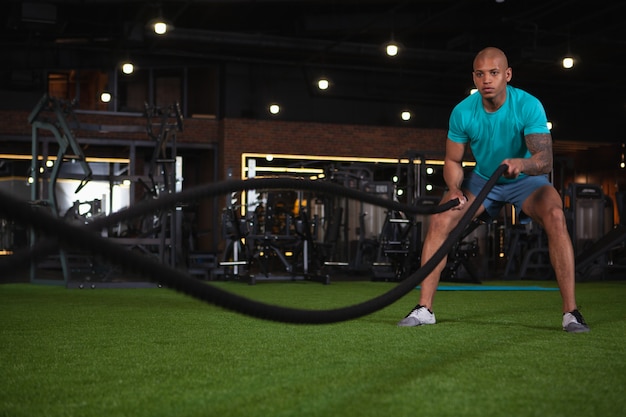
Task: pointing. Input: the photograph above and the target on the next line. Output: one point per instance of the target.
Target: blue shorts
(513, 192)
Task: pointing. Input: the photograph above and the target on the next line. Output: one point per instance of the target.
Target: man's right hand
(452, 194)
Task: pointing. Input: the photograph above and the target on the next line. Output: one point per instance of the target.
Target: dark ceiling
(439, 39)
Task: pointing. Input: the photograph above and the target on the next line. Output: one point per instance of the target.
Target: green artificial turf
(155, 352)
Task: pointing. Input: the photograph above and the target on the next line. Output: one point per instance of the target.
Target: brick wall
(254, 136)
(236, 136)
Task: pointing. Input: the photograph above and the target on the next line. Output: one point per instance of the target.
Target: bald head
(491, 53)
(491, 75)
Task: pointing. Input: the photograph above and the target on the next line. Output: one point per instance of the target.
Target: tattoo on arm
(540, 147)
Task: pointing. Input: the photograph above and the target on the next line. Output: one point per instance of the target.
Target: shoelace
(417, 307)
(578, 316)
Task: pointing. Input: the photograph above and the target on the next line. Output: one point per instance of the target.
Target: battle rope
(44, 247)
(69, 235)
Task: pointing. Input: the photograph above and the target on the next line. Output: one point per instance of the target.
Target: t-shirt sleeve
(535, 117)
(456, 131)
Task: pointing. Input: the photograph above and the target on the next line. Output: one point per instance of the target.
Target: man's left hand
(515, 167)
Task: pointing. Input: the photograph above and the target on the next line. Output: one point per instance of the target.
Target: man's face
(490, 77)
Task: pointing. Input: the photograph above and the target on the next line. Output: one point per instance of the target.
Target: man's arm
(540, 162)
(453, 171)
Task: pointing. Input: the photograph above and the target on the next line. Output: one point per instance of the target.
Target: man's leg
(441, 224)
(545, 207)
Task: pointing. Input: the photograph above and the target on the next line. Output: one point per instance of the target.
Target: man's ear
(509, 74)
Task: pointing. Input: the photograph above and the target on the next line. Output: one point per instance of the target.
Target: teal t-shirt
(494, 137)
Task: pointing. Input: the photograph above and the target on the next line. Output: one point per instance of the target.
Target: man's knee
(545, 207)
(553, 219)
(442, 223)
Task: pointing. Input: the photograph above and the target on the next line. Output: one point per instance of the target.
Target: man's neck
(492, 105)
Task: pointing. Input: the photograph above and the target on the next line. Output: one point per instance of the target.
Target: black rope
(230, 186)
(74, 236)
(165, 201)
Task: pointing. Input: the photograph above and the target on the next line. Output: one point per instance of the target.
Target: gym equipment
(594, 240)
(527, 253)
(460, 255)
(159, 232)
(585, 214)
(585, 222)
(398, 251)
(52, 114)
(399, 247)
(276, 237)
(600, 247)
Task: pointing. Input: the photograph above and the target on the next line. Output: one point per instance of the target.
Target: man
(503, 125)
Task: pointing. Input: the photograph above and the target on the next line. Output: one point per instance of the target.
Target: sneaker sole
(412, 322)
(576, 328)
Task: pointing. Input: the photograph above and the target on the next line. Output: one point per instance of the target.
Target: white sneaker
(418, 316)
(573, 322)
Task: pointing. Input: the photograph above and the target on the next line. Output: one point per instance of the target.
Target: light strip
(286, 169)
(245, 156)
(320, 158)
(54, 158)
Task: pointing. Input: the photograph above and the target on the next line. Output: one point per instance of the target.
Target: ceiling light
(274, 108)
(323, 83)
(568, 62)
(405, 115)
(392, 48)
(105, 97)
(128, 68)
(549, 124)
(160, 26)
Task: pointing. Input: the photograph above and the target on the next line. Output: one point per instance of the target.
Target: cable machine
(52, 114)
